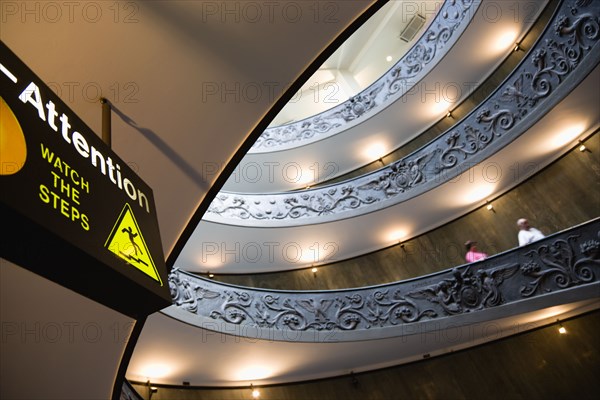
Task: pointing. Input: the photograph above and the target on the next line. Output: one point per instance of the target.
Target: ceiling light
(489, 207)
(561, 329)
(582, 147)
(449, 114)
(255, 392)
(151, 390)
(517, 47)
(388, 59)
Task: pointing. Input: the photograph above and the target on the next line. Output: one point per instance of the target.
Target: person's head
(523, 224)
(470, 245)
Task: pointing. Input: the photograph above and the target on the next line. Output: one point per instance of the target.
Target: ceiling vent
(414, 25)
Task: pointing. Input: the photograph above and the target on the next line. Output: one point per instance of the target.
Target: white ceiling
(359, 61)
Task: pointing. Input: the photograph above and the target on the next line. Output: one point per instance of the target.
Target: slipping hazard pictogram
(127, 242)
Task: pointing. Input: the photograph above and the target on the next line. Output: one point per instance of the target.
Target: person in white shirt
(527, 234)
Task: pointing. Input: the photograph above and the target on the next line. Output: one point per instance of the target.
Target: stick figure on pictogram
(132, 236)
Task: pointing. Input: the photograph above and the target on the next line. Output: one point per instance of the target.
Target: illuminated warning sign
(61, 191)
(127, 242)
(13, 148)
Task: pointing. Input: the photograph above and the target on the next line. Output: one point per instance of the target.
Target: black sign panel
(72, 210)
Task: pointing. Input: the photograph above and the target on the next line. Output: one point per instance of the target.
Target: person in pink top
(472, 253)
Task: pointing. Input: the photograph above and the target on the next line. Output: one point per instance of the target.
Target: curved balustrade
(562, 57)
(548, 270)
(447, 26)
(128, 392)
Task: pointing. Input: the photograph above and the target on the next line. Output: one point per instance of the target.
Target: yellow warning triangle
(127, 242)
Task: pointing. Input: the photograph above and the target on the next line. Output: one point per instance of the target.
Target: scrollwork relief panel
(559, 262)
(445, 29)
(562, 57)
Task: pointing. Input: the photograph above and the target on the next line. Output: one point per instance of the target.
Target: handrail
(447, 26)
(561, 58)
(545, 270)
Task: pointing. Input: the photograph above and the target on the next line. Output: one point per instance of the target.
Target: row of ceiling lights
(478, 193)
(378, 150)
(255, 392)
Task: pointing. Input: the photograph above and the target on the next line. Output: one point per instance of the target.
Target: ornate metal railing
(561, 262)
(450, 21)
(128, 392)
(561, 58)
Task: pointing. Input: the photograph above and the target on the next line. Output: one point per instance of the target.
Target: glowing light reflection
(210, 261)
(375, 151)
(253, 373)
(396, 235)
(479, 193)
(155, 371)
(566, 135)
(441, 108)
(506, 41)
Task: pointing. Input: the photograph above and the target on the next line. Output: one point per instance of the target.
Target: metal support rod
(106, 124)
